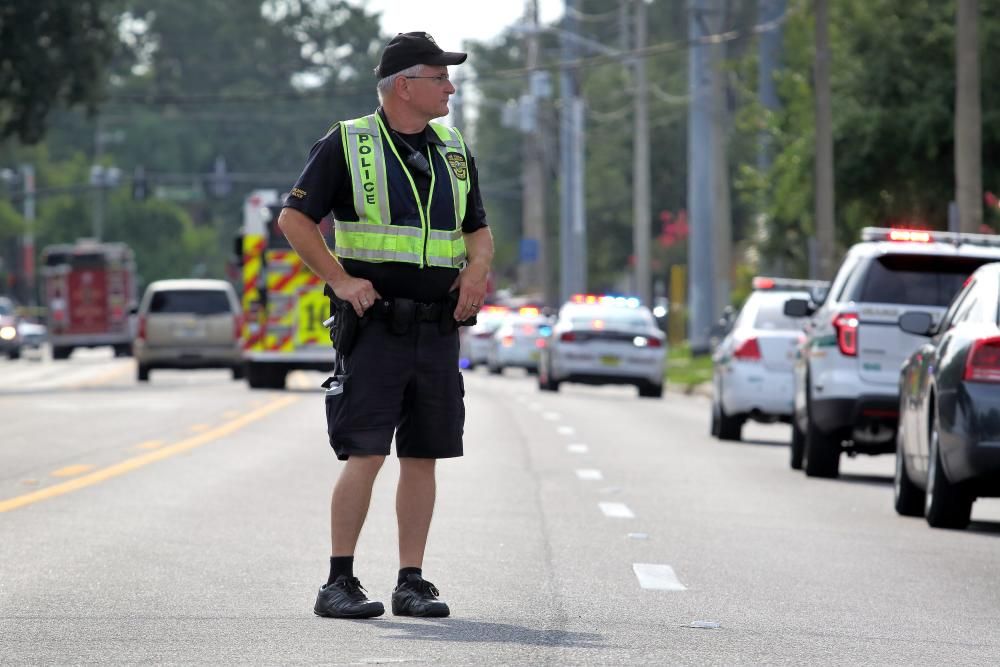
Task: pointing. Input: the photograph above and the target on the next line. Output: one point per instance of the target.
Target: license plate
(189, 332)
(610, 360)
(535, 356)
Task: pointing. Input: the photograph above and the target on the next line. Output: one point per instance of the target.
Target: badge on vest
(457, 163)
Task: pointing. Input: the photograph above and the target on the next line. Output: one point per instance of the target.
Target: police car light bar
(605, 300)
(769, 283)
(900, 235)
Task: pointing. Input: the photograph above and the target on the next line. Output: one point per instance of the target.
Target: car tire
(714, 429)
(730, 427)
(142, 374)
(798, 446)
(262, 376)
(909, 498)
(821, 454)
(61, 352)
(14, 354)
(650, 390)
(495, 370)
(545, 381)
(123, 350)
(946, 505)
(239, 372)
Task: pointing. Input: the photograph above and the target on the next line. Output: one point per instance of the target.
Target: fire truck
(283, 302)
(89, 289)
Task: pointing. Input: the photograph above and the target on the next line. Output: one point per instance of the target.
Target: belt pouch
(401, 318)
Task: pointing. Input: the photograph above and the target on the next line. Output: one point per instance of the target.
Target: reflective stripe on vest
(374, 237)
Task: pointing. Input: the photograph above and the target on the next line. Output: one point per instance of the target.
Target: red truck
(89, 289)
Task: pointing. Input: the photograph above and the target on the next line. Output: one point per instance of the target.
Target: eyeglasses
(440, 78)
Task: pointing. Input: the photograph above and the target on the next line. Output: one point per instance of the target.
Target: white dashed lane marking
(589, 474)
(577, 449)
(657, 577)
(565, 430)
(616, 510)
(551, 416)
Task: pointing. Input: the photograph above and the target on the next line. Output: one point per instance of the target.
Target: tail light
(539, 343)
(567, 336)
(983, 362)
(507, 341)
(846, 325)
(747, 350)
(141, 333)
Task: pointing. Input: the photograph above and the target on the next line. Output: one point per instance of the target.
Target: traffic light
(140, 185)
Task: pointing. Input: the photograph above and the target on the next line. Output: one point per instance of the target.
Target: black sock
(408, 570)
(341, 565)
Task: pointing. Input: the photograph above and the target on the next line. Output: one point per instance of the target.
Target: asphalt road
(185, 521)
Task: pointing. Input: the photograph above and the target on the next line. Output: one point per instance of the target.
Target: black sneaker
(345, 598)
(417, 597)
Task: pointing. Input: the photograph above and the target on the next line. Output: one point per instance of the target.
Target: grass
(687, 371)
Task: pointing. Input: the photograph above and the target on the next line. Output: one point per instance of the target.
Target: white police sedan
(519, 341)
(603, 339)
(753, 365)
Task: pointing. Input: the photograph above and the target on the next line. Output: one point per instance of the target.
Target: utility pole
(968, 119)
(700, 290)
(769, 47)
(824, 145)
(722, 220)
(640, 163)
(28, 240)
(533, 265)
(572, 224)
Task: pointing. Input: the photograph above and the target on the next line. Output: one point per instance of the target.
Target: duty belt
(405, 309)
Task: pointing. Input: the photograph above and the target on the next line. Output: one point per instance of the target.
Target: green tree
(893, 80)
(52, 53)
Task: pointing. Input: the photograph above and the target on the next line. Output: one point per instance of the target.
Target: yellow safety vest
(432, 237)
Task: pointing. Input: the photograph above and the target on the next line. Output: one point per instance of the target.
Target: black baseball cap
(407, 49)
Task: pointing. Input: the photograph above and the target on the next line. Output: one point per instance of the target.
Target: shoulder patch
(457, 163)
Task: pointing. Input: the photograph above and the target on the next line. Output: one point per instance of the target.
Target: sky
(451, 22)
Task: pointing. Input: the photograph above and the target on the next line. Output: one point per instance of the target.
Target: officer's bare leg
(351, 495)
(414, 507)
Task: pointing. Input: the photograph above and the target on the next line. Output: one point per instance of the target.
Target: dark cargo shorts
(407, 384)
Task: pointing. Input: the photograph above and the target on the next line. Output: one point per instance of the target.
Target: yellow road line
(104, 378)
(73, 470)
(128, 465)
(149, 444)
(197, 428)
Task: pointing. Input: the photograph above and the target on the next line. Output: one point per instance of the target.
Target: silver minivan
(190, 323)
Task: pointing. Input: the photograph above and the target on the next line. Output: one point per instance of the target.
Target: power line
(497, 76)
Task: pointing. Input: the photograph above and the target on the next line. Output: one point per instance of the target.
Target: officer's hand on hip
(471, 283)
(360, 293)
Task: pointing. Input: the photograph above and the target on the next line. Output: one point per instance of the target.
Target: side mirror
(798, 308)
(920, 324)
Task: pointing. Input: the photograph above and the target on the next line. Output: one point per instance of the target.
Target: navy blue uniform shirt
(324, 187)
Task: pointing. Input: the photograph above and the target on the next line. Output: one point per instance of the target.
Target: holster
(448, 323)
(402, 315)
(344, 331)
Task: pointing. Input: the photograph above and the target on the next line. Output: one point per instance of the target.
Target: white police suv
(752, 365)
(848, 366)
(603, 339)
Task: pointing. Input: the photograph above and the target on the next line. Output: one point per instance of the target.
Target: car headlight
(8, 332)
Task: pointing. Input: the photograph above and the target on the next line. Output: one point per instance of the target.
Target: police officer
(412, 256)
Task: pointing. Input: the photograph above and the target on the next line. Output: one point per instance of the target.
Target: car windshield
(196, 302)
(614, 318)
(917, 280)
(771, 317)
(6, 307)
